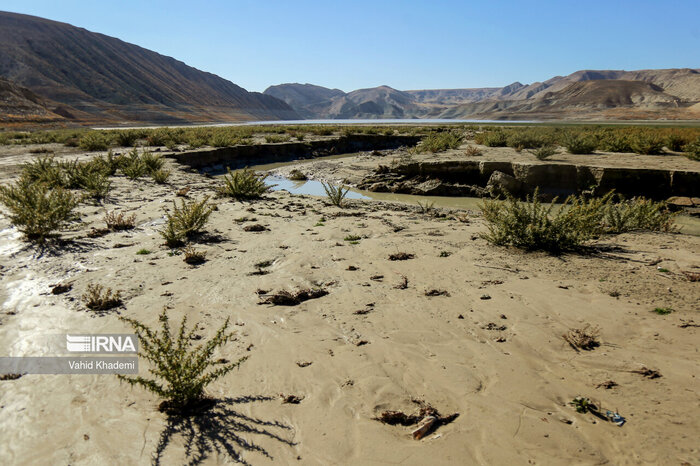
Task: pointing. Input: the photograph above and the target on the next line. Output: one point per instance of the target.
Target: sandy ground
(492, 351)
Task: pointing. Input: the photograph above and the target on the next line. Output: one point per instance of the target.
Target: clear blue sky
(404, 44)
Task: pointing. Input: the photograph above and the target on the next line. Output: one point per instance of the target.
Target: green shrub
(181, 371)
(647, 143)
(151, 161)
(173, 236)
(692, 150)
(223, 140)
(186, 220)
(438, 142)
(335, 194)
(107, 165)
(277, 139)
(160, 176)
(37, 209)
(126, 138)
(675, 141)
(615, 143)
(132, 165)
(525, 140)
(637, 214)
(579, 144)
(94, 140)
(159, 137)
(544, 152)
(244, 184)
(533, 226)
(44, 170)
(93, 181)
(492, 139)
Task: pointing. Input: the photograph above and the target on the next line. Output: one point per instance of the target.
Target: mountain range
(52, 72)
(68, 73)
(583, 95)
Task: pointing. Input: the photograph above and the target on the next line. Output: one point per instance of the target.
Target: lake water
(426, 121)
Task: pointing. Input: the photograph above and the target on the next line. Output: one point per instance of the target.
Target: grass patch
(143, 252)
(662, 311)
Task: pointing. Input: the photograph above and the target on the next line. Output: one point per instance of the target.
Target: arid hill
(103, 79)
(586, 94)
(19, 104)
(303, 96)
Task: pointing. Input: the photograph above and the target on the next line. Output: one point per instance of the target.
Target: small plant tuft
(336, 194)
(194, 257)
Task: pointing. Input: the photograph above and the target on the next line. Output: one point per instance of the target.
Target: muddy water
(689, 225)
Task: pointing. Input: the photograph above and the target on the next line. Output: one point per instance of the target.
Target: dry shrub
(119, 221)
(584, 338)
(401, 256)
(286, 298)
(194, 257)
(98, 298)
(473, 151)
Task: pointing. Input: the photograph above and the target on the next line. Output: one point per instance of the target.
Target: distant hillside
(302, 96)
(585, 94)
(19, 104)
(108, 80)
(377, 102)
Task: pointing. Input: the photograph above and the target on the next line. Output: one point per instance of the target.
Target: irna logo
(101, 343)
